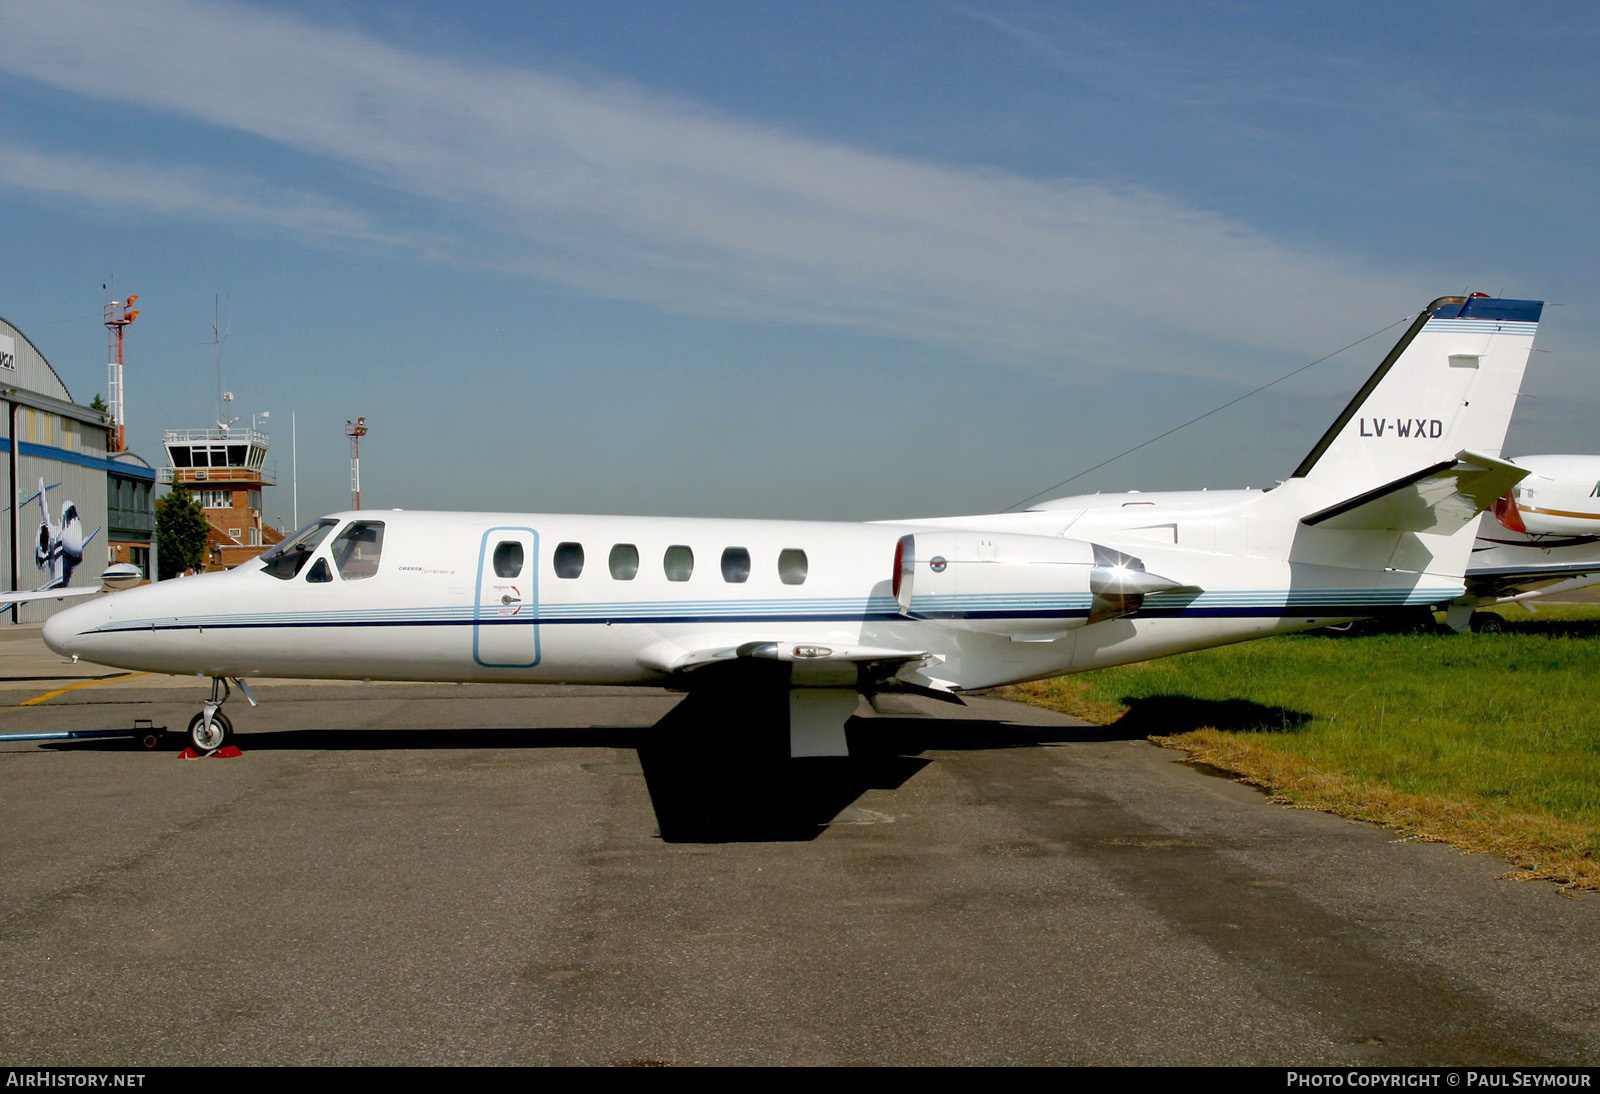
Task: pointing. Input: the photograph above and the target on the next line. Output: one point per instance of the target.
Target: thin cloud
(629, 194)
(182, 191)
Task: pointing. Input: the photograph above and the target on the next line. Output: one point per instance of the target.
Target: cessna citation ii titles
(1380, 516)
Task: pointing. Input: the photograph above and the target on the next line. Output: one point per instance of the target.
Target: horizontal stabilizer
(1439, 499)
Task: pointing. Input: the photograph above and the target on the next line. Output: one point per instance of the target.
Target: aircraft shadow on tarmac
(713, 773)
(714, 778)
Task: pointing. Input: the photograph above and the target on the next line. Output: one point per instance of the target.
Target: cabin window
(735, 565)
(792, 566)
(287, 558)
(319, 572)
(508, 559)
(569, 559)
(624, 561)
(356, 550)
(678, 562)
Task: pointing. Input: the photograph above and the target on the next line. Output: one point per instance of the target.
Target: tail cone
(1506, 512)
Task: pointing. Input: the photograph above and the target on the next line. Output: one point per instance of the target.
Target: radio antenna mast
(219, 335)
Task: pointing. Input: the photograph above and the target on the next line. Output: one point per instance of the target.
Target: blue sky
(841, 260)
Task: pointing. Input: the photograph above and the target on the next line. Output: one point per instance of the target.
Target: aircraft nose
(62, 630)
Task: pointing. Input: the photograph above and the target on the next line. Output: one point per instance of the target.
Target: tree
(98, 403)
(181, 529)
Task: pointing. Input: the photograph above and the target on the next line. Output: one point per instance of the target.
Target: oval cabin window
(736, 565)
(569, 560)
(678, 562)
(508, 559)
(792, 566)
(624, 562)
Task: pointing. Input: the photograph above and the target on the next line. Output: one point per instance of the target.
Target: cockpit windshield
(287, 558)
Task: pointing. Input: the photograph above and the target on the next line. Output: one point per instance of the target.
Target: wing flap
(1440, 499)
(795, 652)
(810, 663)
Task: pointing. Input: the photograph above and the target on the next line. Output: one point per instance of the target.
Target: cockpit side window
(289, 557)
(356, 550)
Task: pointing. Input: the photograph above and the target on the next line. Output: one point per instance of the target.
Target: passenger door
(505, 627)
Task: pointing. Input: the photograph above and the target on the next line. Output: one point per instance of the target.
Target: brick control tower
(226, 468)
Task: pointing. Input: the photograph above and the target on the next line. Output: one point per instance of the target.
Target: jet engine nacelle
(1028, 588)
(1560, 497)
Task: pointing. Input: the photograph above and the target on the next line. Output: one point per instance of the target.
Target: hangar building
(65, 533)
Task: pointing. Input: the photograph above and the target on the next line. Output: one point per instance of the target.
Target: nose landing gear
(211, 729)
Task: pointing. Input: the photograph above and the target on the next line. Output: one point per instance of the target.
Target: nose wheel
(207, 733)
(211, 729)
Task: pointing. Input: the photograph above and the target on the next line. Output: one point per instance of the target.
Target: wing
(1508, 581)
(8, 599)
(118, 575)
(1512, 564)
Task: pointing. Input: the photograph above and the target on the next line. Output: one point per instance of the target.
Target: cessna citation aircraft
(1381, 515)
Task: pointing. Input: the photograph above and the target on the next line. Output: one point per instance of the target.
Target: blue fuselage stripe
(1241, 611)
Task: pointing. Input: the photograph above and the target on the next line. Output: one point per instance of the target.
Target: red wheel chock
(227, 752)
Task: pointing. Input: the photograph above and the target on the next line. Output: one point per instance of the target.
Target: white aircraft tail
(1447, 387)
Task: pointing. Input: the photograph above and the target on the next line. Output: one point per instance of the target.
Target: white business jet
(1542, 539)
(1380, 516)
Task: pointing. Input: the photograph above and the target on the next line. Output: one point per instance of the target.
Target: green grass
(1490, 742)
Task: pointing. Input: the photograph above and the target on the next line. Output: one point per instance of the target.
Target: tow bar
(144, 731)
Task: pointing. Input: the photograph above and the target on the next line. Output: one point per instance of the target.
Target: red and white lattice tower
(355, 431)
(118, 316)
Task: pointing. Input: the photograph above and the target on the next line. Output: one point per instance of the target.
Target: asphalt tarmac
(439, 874)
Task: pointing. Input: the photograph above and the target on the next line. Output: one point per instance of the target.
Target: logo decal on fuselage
(937, 564)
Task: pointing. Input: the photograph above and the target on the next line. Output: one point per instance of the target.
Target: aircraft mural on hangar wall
(58, 549)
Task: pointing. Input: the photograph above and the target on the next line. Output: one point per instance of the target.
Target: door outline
(488, 614)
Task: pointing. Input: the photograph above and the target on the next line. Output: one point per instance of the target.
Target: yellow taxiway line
(74, 687)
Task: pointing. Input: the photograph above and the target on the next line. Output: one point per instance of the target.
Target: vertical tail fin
(1449, 385)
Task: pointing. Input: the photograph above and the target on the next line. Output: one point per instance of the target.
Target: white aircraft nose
(62, 630)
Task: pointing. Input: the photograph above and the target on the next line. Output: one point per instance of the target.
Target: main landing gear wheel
(1487, 623)
(206, 739)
